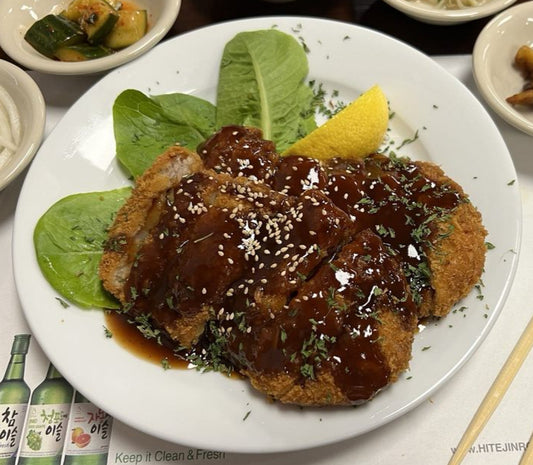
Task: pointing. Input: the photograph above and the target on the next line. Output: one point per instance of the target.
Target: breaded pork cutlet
(422, 216)
(308, 277)
(281, 288)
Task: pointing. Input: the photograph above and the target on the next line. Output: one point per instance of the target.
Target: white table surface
(424, 436)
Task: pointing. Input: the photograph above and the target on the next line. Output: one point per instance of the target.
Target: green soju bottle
(47, 420)
(14, 397)
(89, 433)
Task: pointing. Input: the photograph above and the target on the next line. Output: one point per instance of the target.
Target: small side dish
(22, 118)
(523, 61)
(493, 56)
(17, 17)
(88, 29)
(453, 4)
(448, 12)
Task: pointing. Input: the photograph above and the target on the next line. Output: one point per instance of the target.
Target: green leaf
(261, 84)
(69, 241)
(145, 126)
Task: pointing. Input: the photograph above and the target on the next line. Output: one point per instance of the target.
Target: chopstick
(527, 458)
(495, 395)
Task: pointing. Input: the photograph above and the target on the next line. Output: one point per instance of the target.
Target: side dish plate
(446, 124)
(493, 63)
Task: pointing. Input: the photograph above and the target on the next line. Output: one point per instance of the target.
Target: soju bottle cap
(20, 344)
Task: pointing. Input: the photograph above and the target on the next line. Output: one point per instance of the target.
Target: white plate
(207, 410)
(492, 63)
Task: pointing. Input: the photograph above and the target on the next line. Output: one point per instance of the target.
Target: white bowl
(29, 101)
(16, 17)
(427, 13)
(492, 63)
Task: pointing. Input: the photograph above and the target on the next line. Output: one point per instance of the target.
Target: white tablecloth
(424, 436)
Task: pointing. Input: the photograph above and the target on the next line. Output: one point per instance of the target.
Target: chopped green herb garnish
(63, 303)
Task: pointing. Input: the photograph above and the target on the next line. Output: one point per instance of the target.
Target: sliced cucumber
(96, 17)
(82, 52)
(131, 26)
(53, 32)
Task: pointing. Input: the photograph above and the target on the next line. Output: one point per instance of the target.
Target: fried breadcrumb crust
(457, 255)
(130, 227)
(395, 342)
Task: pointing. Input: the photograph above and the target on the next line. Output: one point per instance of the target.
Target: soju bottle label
(11, 425)
(45, 430)
(89, 431)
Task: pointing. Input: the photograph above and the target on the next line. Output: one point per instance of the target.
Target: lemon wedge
(356, 131)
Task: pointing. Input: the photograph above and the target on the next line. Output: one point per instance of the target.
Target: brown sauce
(129, 337)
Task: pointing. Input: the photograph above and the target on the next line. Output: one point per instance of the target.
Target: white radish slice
(6, 143)
(12, 113)
(5, 128)
(4, 157)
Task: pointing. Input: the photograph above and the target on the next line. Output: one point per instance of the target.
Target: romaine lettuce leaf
(262, 84)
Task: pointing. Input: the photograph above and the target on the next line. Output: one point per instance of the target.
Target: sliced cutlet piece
(138, 214)
(285, 246)
(343, 336)
(423, 216)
